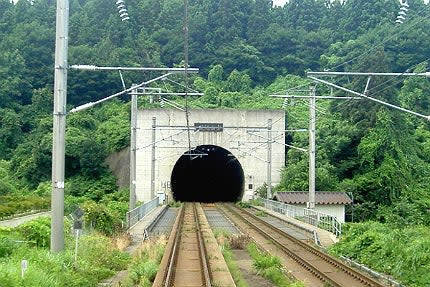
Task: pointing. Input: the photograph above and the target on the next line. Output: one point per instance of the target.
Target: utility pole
(269, 159)
(132, 198)
(59, 126)
(312, 120)
(312, 134)
(154, 125)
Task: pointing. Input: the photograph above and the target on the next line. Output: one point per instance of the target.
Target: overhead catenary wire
(399, 79)
(179, 84)
(405, 28)
(394, 81)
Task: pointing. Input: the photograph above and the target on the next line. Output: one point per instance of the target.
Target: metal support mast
(59, 126)
(312, 128)
(132, 198)
(154, 125)
(269, 159)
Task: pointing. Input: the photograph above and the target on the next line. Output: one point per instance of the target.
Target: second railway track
(322, 267)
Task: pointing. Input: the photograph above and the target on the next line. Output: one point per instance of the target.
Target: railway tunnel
(208, 173)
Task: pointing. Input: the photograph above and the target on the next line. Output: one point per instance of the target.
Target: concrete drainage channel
(162, 225)
(218, 221)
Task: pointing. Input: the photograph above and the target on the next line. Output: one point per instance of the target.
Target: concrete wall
(172, 142)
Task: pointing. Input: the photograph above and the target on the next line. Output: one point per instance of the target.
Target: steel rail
(173, 256)
(202, 248)
(173, 252)
(293, 253)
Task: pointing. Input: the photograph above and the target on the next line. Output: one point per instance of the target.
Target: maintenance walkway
(326, 238)
(138, 231)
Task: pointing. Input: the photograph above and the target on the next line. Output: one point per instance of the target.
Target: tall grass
(97, 259)
(145, 264)
(226, 242)
(403, 252)
(270, 267)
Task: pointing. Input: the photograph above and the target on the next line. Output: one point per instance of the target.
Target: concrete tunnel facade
(228, 157)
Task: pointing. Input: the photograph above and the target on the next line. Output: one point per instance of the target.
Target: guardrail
(134, 216)
(313, 217)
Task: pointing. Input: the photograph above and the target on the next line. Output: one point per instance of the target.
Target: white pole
(132, 197)
(269, 159)
(59, 126)
(153, 158)
(312, 120)
(76, 245)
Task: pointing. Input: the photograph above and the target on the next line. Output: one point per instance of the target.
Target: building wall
(336, 210)
(241, 136)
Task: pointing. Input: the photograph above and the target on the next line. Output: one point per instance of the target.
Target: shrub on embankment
(401, 252)
(16, 204)
(98, 258)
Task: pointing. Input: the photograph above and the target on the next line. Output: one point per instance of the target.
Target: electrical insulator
(401, 17)
(122, 10)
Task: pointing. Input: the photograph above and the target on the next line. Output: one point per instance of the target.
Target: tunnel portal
(208, 173)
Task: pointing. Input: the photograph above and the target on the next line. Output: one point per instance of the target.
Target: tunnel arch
(208, 173)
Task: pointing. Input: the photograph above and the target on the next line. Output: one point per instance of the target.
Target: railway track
(322, 267)
(192, 255)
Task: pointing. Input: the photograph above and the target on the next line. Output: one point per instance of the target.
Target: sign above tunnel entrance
(208, 127)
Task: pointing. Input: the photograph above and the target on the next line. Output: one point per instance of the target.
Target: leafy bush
(99, 250)
(43, 189)
(92, 188)
(14, 204)
(97, 259)
(97, 216)
(256, 202)
(6, 188)
(402, 252)
(114, 128)
(6, 246)
(146, 262)
(118, 209)
(243, 204)
(37, 231)
(175, 203)
(6, 211)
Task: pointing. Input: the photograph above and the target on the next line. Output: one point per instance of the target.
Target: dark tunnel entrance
(207, 174)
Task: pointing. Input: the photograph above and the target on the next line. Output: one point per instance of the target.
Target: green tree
(10, 132)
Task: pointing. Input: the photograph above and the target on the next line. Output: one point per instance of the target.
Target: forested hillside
(246, 50)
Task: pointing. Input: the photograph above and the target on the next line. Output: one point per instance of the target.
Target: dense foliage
(246, 50)
(146, 263)
(97, 258)
(15, 204)
(402, 252)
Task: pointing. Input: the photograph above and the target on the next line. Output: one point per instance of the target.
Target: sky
(282, 2)
(279, 2)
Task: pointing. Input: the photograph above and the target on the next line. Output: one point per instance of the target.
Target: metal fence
(313, 217)
(134, 216)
